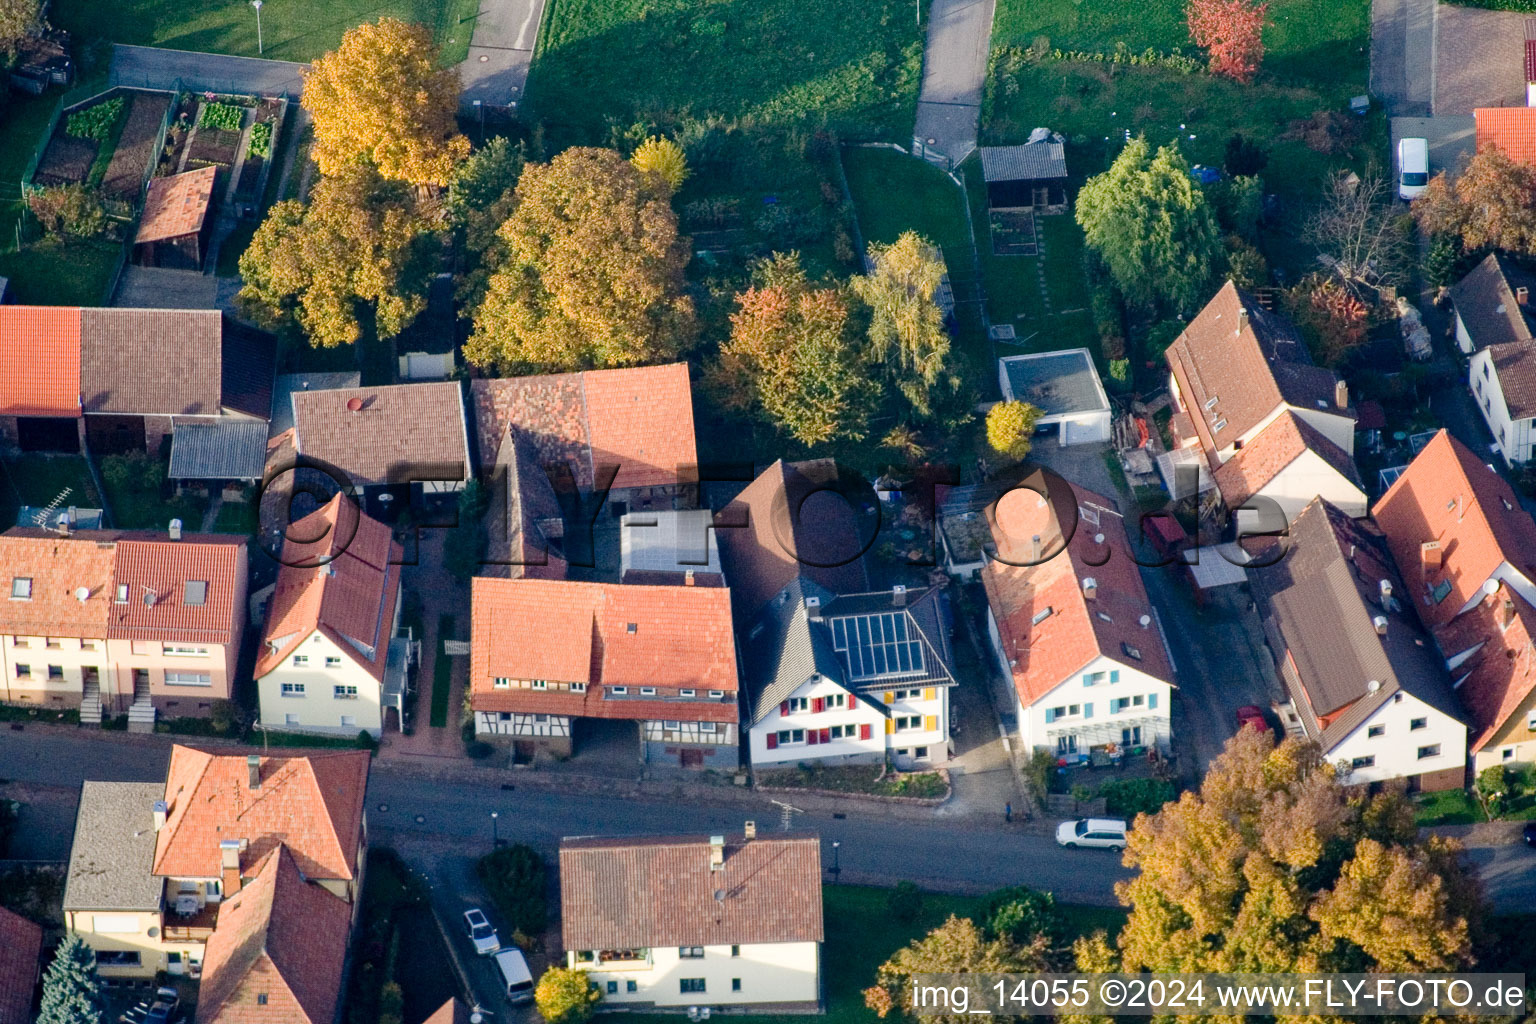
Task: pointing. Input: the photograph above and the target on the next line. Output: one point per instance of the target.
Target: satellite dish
(82, 594)
(1373, 685)
(1146, 620)
(1491, 586)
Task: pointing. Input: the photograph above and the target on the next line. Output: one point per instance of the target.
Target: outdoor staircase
(141, 713)
(90, 704)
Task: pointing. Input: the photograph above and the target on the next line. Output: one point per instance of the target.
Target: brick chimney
(1341, 394)
(229, 865)
(898, 595)
(1090, 588)
(1429, 556)
(1523, 295)
(253, 770)
(1506, 614)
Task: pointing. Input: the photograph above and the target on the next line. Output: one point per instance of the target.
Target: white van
(1098, 833)
(515, 978)
(1412, 167)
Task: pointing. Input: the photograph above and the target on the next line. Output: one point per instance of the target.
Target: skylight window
(196, 593)
(1041, 616)
(21, 588)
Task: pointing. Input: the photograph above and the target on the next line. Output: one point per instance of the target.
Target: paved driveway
(954, 70)
(1402, 55)
(496, 71)
(1479, 59)
(1450, 139)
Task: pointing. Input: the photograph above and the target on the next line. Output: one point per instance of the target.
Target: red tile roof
(21, 944)
(341, 576)
(639, 419)
(39, 361)
(312, 804)
(1274, 448)
(277, 953)
(452, 1012)
(629, 893)
(1074, 629)
(576, 632)
(1449, 497)
(59, 568)
(168, 572)
(1512, 129)
(176, 205)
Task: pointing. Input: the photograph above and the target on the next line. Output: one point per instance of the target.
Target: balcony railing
(194, 927)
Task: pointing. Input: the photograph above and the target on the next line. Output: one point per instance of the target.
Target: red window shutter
(773, 741)
(784, 709)
(812, 736)
(818, 704)
(826, 735)
(864, 731)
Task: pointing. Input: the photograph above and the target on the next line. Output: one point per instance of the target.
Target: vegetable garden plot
(213, 146)
(125, 174)
(1013, 233)
(66, 161)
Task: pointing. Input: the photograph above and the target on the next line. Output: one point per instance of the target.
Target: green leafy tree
(1275, 866)
(905, 902)
(593, 272)
(1011, 428)
(1246, 266)
(564, 995)
(362, 243)
(73, 211)
(792, 356)
(1492, 786)
(906, 329)
(1238, 203)
(71, 989)
(663, 158)
(514, 876)
(1152, 226)
(464, 547)
(18, 19)
(957, 946)
(1021, 915)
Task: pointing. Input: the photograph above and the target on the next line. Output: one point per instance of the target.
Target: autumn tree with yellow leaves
(663, 158)
(1275, 866)
(592, 273)
(360, 245)
(381, 97)
(907, 335)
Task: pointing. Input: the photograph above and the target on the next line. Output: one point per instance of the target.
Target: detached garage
(1065, 387)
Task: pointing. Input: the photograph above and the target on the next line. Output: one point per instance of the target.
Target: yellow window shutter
(929, 693)
(931, 722)
(889, 696)
(890, 726)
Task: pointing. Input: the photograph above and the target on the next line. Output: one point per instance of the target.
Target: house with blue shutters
(1070, 623)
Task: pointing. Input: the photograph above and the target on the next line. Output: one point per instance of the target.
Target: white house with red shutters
(850, 679)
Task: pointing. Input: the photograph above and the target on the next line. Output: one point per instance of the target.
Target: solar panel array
(877, 645)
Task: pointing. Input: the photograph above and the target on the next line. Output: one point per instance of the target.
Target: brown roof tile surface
(577, 632)
(1073, 629)
(397, 433)
(1237, 362)
(1271, 450)
(164, 361)
(312, 804)
(1495, 682)
(340, 575)
(1512, 129)
(631, 893)
(21, 944)
(1515, 367)
(1487, 304)
(167, 573)
(637, 419)
(277, 953)
(39, 361)
(176, 205)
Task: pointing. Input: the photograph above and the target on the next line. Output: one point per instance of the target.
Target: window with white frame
(290, 719)
(707, 727)
(1066, 711)
(183, 651)
(189, 678)
(578, 687)
(620, 690)
(539, 684)
(348, 722)
(787, 736)
(836, 701)
(21, 588)
(686, 693)
(909, 723)
(300, 660)
(293, 689)
(717, 694)
(344, 692)
(673, 726)
(647, 691)
(798, 704)
(333, 661)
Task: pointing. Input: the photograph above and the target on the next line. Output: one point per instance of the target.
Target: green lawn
(861, 935)
(851, 63)
(1305, 38)
(47, 273)
(236, 517)
(36, 480)
(291, 29)
(442, 672)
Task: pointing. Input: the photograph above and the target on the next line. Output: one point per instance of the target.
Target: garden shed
(1033, 175)
(1066, 389)
(173, 232)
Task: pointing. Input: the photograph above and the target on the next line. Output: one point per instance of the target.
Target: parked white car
(1096, 833)
(1412, 167)
(481, 935)
(515, 976)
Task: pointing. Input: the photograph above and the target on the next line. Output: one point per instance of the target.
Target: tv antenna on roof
(786, 811)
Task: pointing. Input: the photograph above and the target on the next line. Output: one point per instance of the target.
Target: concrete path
(954, 72)
(496, 71)
(1403, 55)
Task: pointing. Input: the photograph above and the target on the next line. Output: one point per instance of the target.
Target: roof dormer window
(1041, 615)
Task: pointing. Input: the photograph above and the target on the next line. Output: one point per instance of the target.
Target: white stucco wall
(779, 972)
(1308, 476)
(933, 709)
(1514, 436)
(318, 709)
(1396, 749)
(1100, 718)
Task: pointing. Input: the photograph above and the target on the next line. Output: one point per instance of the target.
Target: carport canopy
(223, 450)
